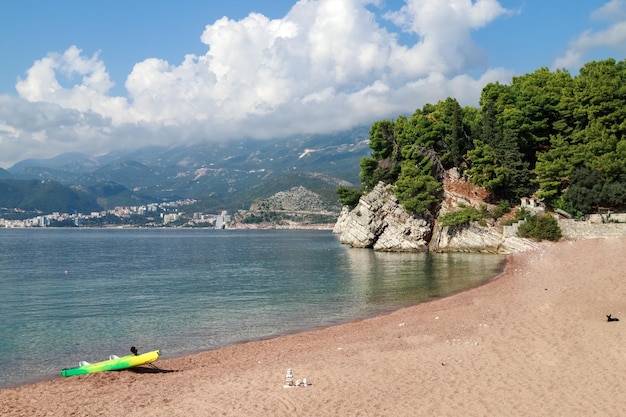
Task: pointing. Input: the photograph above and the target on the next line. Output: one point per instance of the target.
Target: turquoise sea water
(83, 294)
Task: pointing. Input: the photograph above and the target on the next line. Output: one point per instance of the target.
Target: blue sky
(96, 76)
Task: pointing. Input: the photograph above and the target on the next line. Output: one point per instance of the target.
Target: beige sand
(534, 342)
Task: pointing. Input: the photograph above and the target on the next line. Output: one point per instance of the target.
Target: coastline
(533, 341)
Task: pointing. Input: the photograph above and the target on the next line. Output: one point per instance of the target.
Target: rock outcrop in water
(380, 222)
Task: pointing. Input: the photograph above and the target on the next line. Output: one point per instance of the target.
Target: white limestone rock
(476, 238)
(380, 222)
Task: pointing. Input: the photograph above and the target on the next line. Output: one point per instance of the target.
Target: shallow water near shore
(83, 294)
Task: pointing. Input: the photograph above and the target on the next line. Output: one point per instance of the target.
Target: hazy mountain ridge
(224, 175)
(45, 196)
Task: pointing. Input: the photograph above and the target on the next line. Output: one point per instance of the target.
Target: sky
(96, 76)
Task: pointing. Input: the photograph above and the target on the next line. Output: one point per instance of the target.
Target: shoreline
(310, 328)
(532, 341)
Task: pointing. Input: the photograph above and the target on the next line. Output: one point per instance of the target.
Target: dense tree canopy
(548, 133)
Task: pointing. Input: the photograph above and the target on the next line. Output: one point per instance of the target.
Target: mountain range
(225, 175)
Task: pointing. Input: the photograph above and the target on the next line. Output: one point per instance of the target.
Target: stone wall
(578, 230)
(607, 218)
(511, 231)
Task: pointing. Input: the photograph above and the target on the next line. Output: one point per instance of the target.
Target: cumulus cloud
(326, 65)
(614, 10)
(444, 30)
(87, 94)
(612, 36)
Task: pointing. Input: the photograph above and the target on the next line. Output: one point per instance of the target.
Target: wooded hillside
(559, 137)
(45, 196)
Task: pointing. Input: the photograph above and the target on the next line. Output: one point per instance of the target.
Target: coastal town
(166, 214)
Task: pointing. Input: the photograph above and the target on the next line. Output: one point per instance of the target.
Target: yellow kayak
(114, 364)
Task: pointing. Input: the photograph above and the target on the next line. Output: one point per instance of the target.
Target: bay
(83, 294)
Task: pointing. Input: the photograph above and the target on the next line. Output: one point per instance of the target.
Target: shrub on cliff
(540, 228)
(459, 217)
(348, 196)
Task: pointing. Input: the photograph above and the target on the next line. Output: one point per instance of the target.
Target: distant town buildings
(150, 215)
(222, 220)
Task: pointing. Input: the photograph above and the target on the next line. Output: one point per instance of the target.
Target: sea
(83, 294)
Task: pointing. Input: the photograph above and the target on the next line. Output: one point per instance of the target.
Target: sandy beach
(533, 342)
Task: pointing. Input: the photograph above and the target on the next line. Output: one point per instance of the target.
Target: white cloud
(613, 36)
(326, 65)
(614, 10)
(40, 129)
(90, 93)
(444, 34)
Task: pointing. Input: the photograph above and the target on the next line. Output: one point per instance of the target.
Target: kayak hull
(124, 362)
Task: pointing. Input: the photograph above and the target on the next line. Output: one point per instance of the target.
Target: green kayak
(114, 364)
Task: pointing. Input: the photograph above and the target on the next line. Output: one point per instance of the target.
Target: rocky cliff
(474, 237)
(380, 222)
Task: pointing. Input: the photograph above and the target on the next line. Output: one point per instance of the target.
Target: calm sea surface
(83, 294)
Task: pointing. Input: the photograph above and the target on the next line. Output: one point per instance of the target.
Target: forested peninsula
(557, 137)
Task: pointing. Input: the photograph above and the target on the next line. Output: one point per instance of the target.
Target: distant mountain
(70, 162)
(4, 173)
(224, 175)
(48, 196)
(45, 196)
